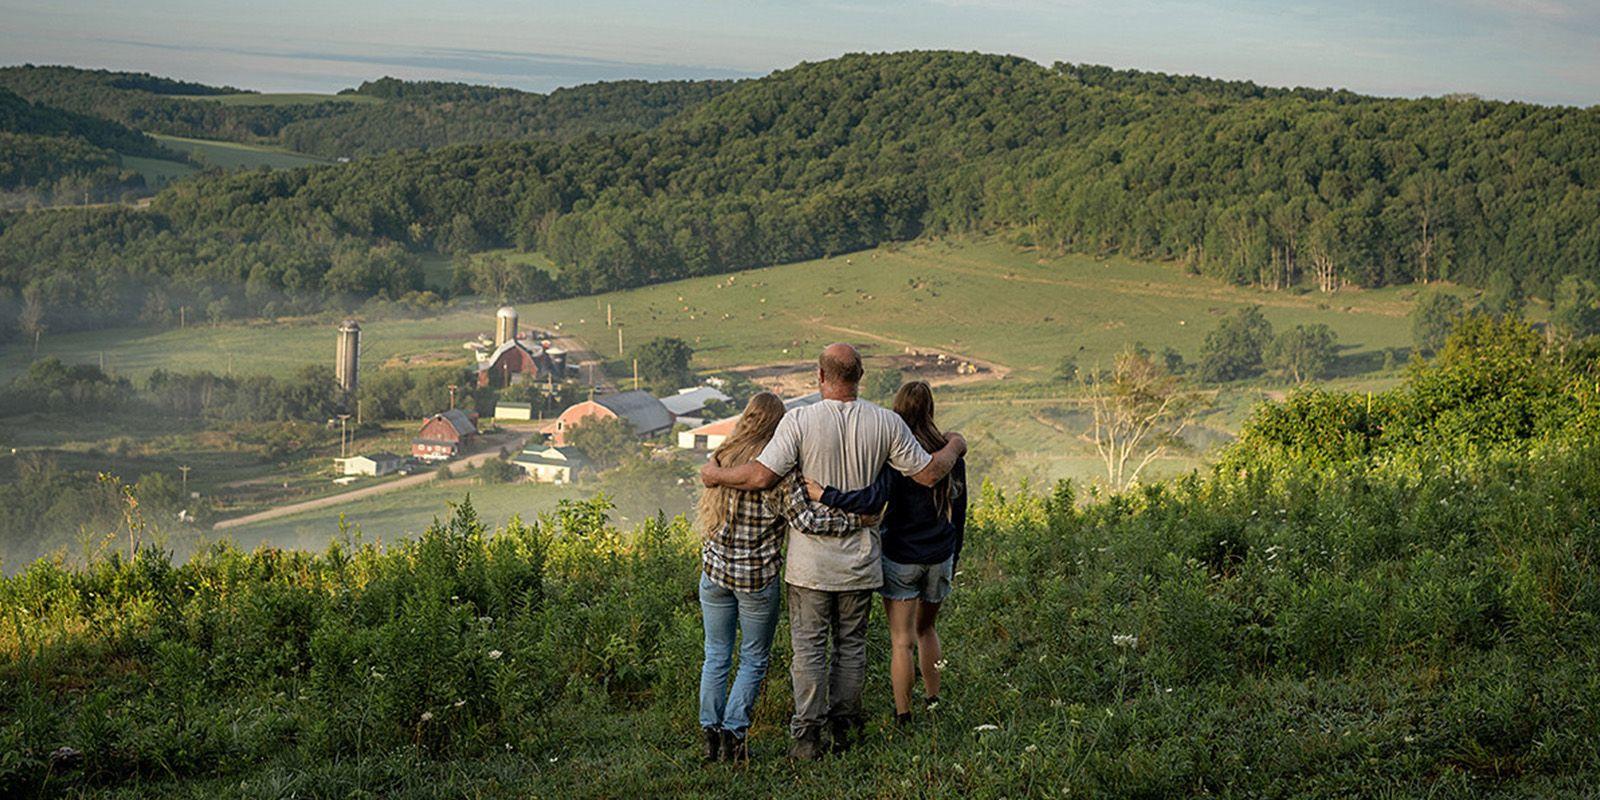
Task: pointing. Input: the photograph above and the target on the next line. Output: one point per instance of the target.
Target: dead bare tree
(1423, 193)
(1326, 270)
(31, 320)
(1140, 410)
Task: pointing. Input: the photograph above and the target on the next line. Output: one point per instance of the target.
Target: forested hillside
(413, 115)
(46, 153)
(426, 115)
(154, 104)
(1384, 596)
(1279, 188)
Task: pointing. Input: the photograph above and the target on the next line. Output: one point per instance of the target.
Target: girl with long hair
(923, 529)
(741, 552)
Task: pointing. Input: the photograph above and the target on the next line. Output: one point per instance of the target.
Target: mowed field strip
(234, 155)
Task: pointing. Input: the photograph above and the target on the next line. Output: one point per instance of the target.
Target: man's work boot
(807, 745)
(844, 733)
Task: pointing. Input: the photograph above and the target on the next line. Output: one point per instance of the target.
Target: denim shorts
(929, 582)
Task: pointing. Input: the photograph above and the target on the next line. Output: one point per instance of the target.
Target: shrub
(1237, 347)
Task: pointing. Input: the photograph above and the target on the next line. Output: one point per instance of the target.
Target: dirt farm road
(488, 447)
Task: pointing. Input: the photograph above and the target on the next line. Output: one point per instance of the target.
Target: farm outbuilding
(644, 413)
(711, 435)
(445, 436)
(707, 437)
(510, 410)
(689, 405)
(373, 464)
(559, 465)
(515, 361)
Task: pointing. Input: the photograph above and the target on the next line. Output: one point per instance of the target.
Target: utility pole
(342, 419)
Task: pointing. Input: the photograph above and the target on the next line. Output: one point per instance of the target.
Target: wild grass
(1392, 598)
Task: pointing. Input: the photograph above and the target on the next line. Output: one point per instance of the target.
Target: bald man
(843, 442)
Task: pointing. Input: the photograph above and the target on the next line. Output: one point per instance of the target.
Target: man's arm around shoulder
(751, 476)
(943, 461)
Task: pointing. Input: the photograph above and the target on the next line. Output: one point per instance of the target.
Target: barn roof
(721, 427)
(645, 413)
(459, 420)
(535, 351)
(803, 400)
(689, 401)
(558, 456)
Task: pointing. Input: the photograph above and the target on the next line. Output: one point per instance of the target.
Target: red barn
(445, 436)
(513, 362)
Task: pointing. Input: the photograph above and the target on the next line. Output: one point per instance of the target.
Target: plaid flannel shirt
(745, 555)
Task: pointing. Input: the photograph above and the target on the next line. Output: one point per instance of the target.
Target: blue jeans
(755, 615)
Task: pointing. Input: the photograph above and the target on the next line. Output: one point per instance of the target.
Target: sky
(1545, 51)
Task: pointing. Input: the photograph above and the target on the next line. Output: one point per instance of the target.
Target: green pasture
(980, 299)
(278, 98)
(983, 299)
(403, 513)
(158, 172)
(235, 155)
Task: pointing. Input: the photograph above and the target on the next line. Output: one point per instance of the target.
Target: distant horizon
(357, 81)
(1539, 51)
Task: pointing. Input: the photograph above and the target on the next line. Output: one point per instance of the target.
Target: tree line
(48, 155)
(1287, 189)
(412, 114)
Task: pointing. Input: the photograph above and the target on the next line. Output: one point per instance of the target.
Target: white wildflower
(460, 703)
(940, 664)
(494, 655)
(985, 728)
(1032, 748)
(1124, 640)
(427, 716)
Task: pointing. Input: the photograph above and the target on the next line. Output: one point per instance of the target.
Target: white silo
(505, 325)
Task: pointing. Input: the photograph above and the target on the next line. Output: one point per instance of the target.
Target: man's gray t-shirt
(843, 445)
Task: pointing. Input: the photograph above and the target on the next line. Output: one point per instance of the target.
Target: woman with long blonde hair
(923, 529)
(741, 552)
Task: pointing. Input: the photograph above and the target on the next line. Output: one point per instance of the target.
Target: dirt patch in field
(436, 358)
(787, 379)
